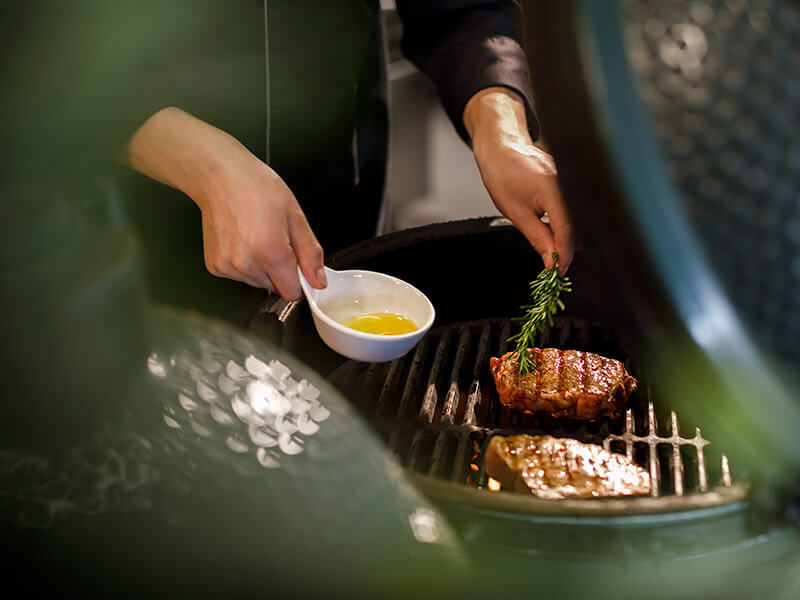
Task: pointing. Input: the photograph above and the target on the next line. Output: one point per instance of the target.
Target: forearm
(253, 229)
(181, 151)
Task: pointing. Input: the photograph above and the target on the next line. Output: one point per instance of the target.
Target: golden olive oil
(382, 324)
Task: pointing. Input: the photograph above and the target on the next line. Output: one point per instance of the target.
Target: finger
(563, 235)
(231, 262)
(251, 273)
(243, 269)
(280, 264)
(262, 283)
(267, 284)
(251, 280)
(538, 235)
(221, 268)
(309, 253)
(261, 280)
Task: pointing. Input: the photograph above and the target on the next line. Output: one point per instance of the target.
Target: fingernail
(321, 277)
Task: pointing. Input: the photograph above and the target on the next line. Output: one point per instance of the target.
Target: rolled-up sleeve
(466, 46)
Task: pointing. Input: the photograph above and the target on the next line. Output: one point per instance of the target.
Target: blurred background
(432, 173)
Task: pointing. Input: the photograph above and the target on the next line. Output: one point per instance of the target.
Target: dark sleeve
(465, 46)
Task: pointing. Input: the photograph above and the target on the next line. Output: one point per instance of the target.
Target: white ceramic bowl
(354, 293)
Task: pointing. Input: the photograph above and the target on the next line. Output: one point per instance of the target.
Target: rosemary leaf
(546, 301)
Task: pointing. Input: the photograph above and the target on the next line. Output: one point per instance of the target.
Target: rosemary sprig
(546, 301)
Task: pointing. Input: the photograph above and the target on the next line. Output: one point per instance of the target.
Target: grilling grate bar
(726, 472)
(453, 397)
(431, 398)
(497, 413)
(391, 380)
(653, 441)
(474, 397)
(415, 372)
(452, 400)
(429, 403)
(461, 458)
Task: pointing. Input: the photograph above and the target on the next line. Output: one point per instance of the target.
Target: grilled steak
(556, 468)
(565, 383)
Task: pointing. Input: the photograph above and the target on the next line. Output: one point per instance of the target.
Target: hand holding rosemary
(545, 303)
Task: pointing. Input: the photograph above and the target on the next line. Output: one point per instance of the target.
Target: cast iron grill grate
(675, 443)
(437, 407)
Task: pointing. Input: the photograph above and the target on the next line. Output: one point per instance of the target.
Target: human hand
(253, 228)
(520, 178)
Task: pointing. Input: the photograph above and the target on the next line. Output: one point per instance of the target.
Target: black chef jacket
(300, 82)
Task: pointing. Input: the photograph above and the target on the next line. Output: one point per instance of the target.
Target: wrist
(211, 168)
(206, 161)
(496, 116)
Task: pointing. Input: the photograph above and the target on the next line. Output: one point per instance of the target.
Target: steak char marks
(567, 384)
(555, 468)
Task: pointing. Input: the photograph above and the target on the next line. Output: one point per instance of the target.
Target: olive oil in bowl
(382, 324)
(368, 316)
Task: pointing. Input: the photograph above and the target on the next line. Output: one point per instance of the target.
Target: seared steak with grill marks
(565, 383)
(556, 468)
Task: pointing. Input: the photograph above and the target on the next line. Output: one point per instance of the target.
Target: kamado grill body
(677, 261)
(437, 407)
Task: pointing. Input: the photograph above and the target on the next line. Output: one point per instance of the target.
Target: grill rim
(717, 501)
